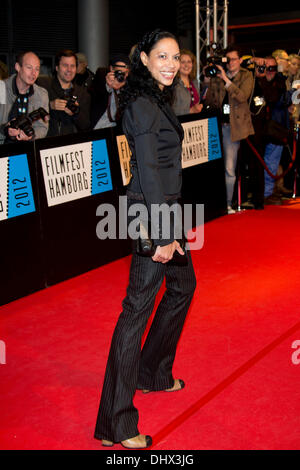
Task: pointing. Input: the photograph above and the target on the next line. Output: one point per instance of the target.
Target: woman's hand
(163, 254)
(197, 108)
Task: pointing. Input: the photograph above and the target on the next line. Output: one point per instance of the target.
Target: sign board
(16, 196)
(75, 171)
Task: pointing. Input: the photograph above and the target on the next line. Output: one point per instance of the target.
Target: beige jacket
(239, 93)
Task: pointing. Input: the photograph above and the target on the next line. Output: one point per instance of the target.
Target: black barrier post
(239, 183)
(295, 184)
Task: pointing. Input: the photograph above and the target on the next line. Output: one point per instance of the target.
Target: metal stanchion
(297, 128)
(239, 184)
(295, 184)
(239, 191)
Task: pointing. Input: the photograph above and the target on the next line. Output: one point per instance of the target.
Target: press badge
(226, 108)
(259, 100)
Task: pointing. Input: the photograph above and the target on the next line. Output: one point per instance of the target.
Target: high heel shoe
(137, 442)
(175, 387)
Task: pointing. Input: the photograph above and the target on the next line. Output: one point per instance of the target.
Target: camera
(272, 68)
(218, 57)
(261, 68)
(259, 101)
(71, 104)
(120, 76)
(25, 122)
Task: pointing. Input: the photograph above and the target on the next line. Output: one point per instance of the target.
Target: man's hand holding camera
(222, 74)
(116, 77)
(21, 127)
(62, 105)
(115, 80)
(18, 134)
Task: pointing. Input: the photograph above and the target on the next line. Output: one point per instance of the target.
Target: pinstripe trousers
(130, 368)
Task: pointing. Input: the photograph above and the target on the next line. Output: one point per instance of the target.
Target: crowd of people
(252, 96)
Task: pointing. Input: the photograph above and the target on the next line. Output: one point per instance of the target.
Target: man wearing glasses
(282, 60)
(228, 93)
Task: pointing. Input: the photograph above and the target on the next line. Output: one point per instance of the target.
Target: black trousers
(256, 181)
(129, 367)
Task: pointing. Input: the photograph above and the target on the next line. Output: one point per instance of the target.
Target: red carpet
(235, 353)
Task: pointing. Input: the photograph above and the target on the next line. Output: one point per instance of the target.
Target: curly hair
(140, 81)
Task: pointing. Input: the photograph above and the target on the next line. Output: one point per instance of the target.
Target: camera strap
(20, 106)
(109, 105)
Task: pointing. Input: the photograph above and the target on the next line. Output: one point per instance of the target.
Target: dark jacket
(99, 95)
(60, 122)
(154, 136)
(85, 79)
(278, 99)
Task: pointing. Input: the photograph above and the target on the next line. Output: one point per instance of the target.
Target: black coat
(60, 122)
(154, 136)
(99, 95)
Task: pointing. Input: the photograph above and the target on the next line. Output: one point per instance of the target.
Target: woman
(294, 69)
(187, 92)
(154, 136)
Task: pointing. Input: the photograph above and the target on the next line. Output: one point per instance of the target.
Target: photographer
(69, 103)
(84, 76)
(105, 89)
(23, 97)
(278, 101)
(228, 92)
(253, 184)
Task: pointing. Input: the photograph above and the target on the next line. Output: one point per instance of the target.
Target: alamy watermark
(2, 352)
(163, 221)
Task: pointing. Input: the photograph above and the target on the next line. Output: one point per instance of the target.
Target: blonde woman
(187, 90)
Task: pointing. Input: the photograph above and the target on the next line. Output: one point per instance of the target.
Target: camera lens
(261, 68)
(120, 76)
(211, 71)
(272, 68)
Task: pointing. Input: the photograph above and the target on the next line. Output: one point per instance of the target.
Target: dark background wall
(48, 26)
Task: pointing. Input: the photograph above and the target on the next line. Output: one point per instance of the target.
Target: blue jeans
(230, 158)
(272, 159)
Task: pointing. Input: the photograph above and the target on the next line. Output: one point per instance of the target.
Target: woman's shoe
(178, 385)
(137, 442)
(106, 443)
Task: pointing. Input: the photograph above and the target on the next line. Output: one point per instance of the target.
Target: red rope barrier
(276, 177)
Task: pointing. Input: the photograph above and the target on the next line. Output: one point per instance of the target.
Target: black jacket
(154, 136)
(99, 95)
(60, 122)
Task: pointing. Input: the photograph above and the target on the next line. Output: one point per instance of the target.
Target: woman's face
(186, 65)
(294, 65)
(163, 61)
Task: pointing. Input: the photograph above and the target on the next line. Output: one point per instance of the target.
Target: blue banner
(17, 196)
(214, 147)
(101, 176)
